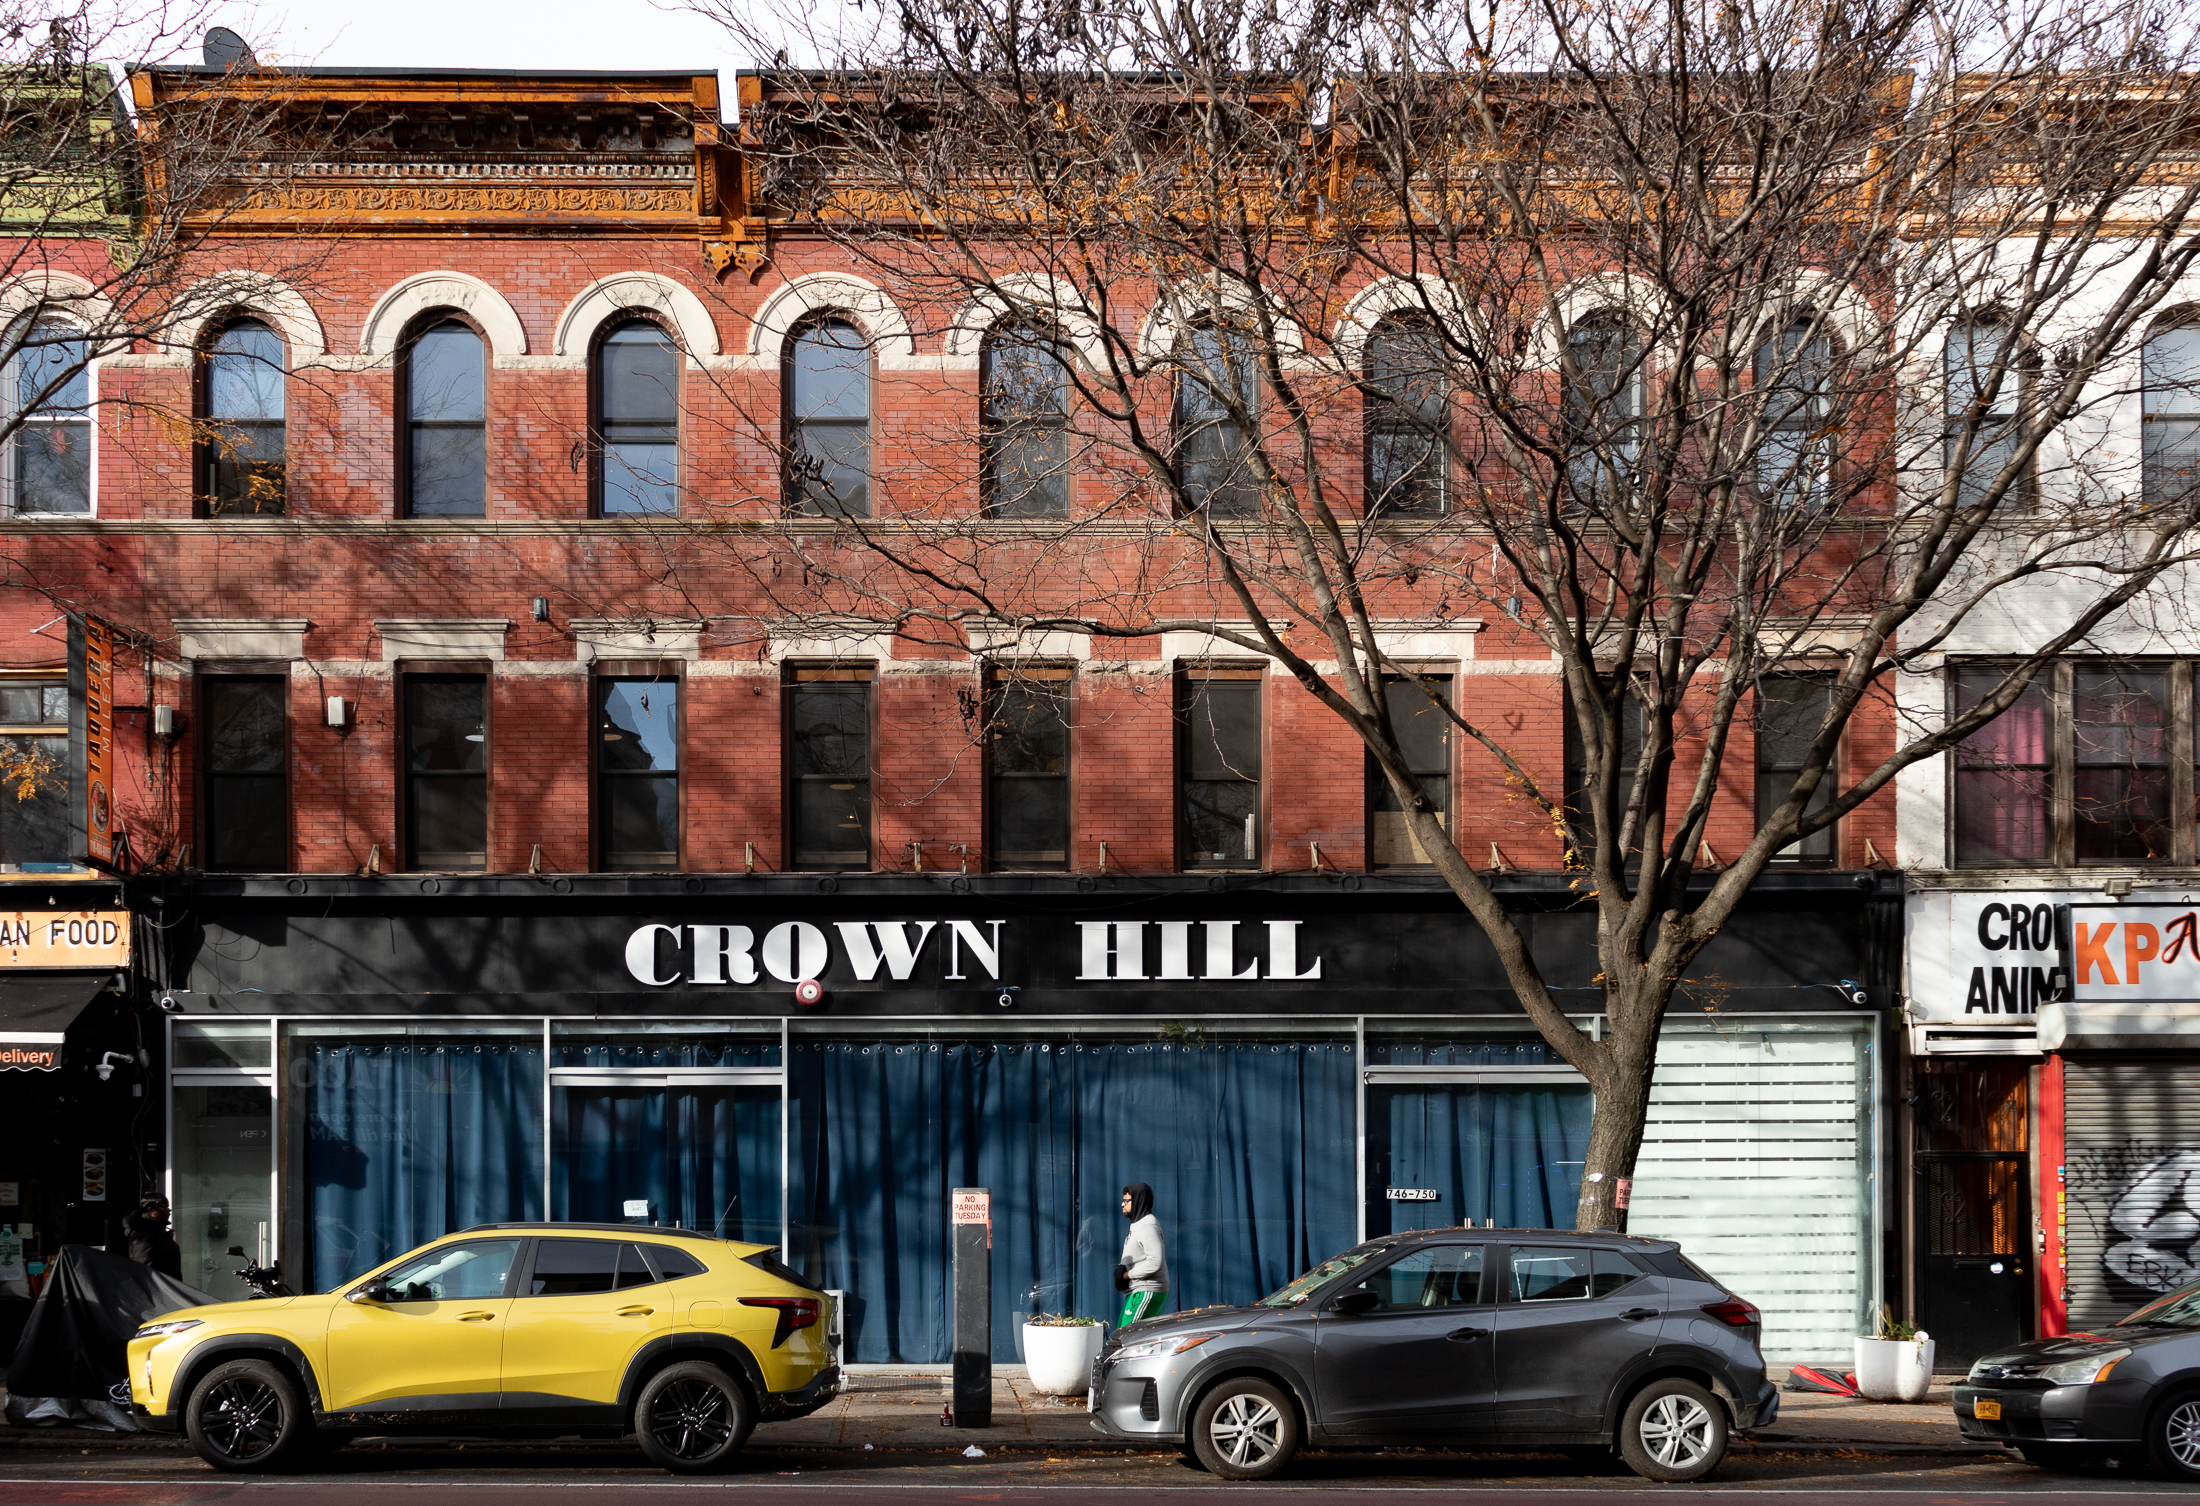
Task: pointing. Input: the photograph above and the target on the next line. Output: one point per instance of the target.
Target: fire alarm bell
(809, 993)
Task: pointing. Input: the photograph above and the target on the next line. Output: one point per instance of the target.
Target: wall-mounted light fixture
(542, 609)
(164, 722)
(337, 715)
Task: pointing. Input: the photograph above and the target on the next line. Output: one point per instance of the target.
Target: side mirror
(373, 1291)
(1355, 1302)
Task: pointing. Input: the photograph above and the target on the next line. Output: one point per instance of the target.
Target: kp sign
(2134, 953)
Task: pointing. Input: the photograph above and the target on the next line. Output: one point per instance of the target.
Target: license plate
(1986, 1411)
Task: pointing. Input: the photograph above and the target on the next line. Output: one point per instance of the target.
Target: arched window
(1212, 445)
(1967, 363)
(241, 420)
(2171, 443)
(50, 386)
(637, 421)
(1794, 381)
(828, 385)
(1605, 401)
(446, 405)
(1026, 414)
(1408, 407)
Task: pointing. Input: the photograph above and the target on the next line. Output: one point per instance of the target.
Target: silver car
(1469, 1338)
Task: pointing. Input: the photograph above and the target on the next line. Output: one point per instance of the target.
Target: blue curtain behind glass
(1512, 1155)
(703, 1157)
(1248, 1148)
(407, 1142)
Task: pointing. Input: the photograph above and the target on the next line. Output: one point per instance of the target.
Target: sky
(630, 34)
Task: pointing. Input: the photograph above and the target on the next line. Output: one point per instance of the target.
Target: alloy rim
(1247, 1430)
(242, 1419)
(691, 1419)
(2183, 1435)
(1676, 1431)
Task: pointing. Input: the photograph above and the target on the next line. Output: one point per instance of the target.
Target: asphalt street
(158, 1474)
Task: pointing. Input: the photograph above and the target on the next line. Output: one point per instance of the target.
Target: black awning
(36, 1012)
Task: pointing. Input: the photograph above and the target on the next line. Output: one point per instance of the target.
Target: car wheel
(2059, 1455)
(248, 1418)
(2173, 1437)
(1674, 1430)
(692, 1418)
(1245, 1429)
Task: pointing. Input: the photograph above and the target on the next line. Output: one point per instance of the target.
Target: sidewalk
(900, 1410)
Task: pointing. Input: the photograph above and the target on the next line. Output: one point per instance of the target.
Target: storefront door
(1448, 1146)
(222, 1128)
(1974, 1267)
(687, 1147)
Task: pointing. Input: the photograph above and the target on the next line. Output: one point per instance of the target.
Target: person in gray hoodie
(1143, 1273)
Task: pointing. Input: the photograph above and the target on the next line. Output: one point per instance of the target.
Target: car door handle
(636, 1312)
(475, 1317)
(1637, 1314)
(1468, 1335)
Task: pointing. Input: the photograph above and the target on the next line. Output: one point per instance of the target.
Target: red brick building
(423, 545)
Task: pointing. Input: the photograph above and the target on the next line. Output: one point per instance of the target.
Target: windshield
(2180, 1309)
(1328, 1271)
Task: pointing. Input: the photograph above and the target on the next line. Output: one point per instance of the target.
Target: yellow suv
(538, 1330)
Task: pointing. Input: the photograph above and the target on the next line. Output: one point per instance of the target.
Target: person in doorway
(150, 1242)
(1143, 1273)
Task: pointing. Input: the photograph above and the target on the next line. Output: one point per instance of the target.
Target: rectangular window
(1027, 768)
(2119, 734)
(51, 458)
(638, 773)
(2092, 765)
(1219, 781)
(1578, 794)
(245, 737)
(829, 763)
(1424, 736)
(447, 772)
(1790, 711)
(34, 776)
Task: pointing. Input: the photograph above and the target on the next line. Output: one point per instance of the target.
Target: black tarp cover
(75, 1344)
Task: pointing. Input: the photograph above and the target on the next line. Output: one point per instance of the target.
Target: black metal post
(972, 1395)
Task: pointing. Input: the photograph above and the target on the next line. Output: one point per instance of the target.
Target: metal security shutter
(2131, 1160)
(1756, 1159)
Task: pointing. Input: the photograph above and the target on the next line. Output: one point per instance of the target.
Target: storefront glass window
(1486, 1151)
(224, 1180)
(1444, 1045)
(638, 772)
(698, 1155)
(412, 1139)
(1055, 1125)
(240, 1043)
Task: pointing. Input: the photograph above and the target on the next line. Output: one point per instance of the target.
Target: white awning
(2105, 1025)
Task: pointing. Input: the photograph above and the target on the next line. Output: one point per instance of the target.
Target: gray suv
(1462, 1338)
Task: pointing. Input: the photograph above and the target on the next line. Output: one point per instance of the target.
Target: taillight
(798, 1312)
(1737, 1311)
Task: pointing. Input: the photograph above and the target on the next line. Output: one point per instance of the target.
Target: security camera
(168, 1003)
(1007, 997)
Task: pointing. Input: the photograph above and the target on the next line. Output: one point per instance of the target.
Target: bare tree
(1703, 343)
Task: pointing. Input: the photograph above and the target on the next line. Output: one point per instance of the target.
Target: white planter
(1894, 1369)
(1058, 1357)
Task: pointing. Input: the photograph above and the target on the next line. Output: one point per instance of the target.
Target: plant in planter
(1059, 1351)
(1896, 1364)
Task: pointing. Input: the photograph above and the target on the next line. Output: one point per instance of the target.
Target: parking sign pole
(971, 1397)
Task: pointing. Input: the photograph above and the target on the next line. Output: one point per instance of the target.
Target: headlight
(1146, 1349)
(2094, 1367)
(162, 1330)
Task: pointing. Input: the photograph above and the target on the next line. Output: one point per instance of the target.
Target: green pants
(1137, 1305)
